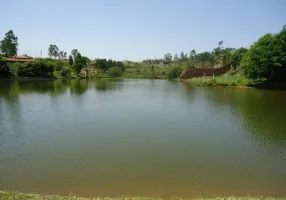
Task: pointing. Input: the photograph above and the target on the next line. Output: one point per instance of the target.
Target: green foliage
(237, 56)
(168, 58)
(66, 72)
(39, 68)
(62, 55)
(14, 68)
(176, 57)
(266, 58)
(114, 72)
(4, 69)
(70, 60)
(74, 53)
(9, 45)
(203, 59)
(53, 51)
(175, 72)
(80, 62)
(103, 64)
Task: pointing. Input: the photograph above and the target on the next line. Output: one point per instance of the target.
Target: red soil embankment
(206, 71)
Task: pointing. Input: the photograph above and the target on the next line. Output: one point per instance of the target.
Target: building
(23, 58)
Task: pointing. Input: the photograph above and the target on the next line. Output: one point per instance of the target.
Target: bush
(14, 68)
(4, 69)
(175, 72)
(114, 72)
(266, 58)
(39, 68)
(66, 72)
(233, 84)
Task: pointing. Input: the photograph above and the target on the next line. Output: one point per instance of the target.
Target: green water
(141, 138)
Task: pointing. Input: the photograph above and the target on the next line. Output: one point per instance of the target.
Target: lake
(141, 138)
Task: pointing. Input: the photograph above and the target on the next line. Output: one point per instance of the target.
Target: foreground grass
(19, 196)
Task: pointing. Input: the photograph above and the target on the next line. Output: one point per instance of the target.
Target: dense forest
(265, 59)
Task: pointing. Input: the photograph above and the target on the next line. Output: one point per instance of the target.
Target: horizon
(135, 30)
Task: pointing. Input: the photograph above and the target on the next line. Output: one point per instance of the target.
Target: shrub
(39, 68)
(233, 84)
(66, 72)
(14, 68)
(4, 69)
(114, 72)
(175, 72)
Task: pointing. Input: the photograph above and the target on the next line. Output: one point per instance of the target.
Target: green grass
(228, 79)
(145, 72)
(19, 196)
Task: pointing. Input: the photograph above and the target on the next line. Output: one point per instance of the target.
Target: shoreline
(5, 195)
(189, 82)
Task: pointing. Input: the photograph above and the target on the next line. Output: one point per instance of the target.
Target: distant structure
(23, 58)
(206, 71)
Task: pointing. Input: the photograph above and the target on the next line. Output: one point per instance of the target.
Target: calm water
(141, 137)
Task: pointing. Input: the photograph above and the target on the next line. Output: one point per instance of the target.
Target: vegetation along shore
(262, 65)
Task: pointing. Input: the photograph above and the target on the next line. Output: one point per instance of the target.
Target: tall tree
(237, 56)
(193, 53)
(168, 58)
(70, 60)
(80, 62)
(9, 45)
(62, 55)
(266, 58)
(176, 57)
(53, 51)
(220, 43)
(183, 56)
(74, 53)
(227, 55)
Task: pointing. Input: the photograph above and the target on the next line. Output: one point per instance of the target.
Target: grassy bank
(19, 196)
(228, 79)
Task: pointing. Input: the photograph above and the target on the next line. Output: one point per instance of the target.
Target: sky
(138, 29)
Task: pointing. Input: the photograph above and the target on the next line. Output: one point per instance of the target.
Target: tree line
(218, 57)
(264, 60)
(57, 65)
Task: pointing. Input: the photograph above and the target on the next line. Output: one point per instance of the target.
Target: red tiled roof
(19, 59)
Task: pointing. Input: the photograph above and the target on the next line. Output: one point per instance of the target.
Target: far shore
(196, 81)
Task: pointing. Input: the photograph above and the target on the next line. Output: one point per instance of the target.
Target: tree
(176, 57)
(266, 58)
(183, 57)
(53, 51)
(193, 54)
(168, 58)
(62, 55)
(70, 60)
(220, 43)
(4, 69)
(80, 62)
(174, 72)
(9, 45)
(218, 54)
(192, 58)
(203, 59)
(237, 56)
(74, 53)
(227, 55)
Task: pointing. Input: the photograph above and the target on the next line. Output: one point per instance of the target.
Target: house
(23, 58)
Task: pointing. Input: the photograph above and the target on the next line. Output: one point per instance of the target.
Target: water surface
(141, 138)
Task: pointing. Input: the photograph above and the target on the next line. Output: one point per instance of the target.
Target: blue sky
(136, 30)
